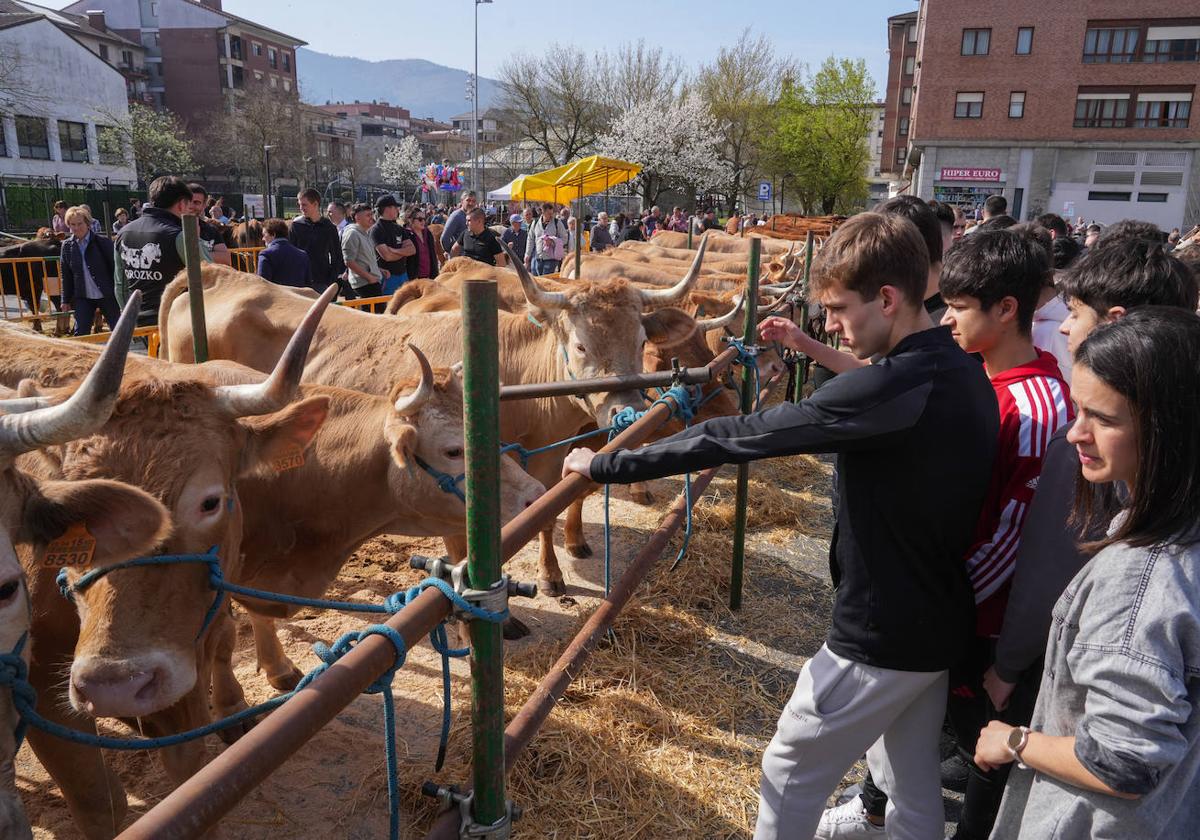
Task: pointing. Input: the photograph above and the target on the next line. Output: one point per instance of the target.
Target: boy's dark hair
(1132, 229)
(310, 195)
(995, 205)
(1148, 357)
(990, 265)
(358, 208)
(872, 250)
(921, 215)
(276, 227)
(341, 205)
(1042, 237)
(1054, 222)
(198, 188)
(1001, 222)
(1064, 249)
(944, 213)
(1129, 272)
(168, 190)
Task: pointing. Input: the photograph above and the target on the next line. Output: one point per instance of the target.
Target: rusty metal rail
(524, 727)
(201, 801)
(631, 381)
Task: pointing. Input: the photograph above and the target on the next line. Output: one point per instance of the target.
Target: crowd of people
(1017, 542)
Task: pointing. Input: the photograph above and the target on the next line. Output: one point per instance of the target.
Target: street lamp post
(475, 178)
(268, 199)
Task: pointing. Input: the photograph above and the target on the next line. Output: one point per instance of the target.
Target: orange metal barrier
(244, 259)
(148, 333)
(20, 280)
(366, 303)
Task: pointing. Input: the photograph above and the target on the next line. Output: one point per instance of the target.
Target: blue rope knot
(446, 483)
(329, 654)
(14, 675)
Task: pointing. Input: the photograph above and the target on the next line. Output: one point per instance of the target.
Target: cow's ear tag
(75, 547)
(289, 460)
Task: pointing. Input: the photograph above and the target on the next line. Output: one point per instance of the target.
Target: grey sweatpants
(839, 710)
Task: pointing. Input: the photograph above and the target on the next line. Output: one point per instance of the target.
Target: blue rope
(446, 483)
(524, 454)
(684, 404)
(14, 672)
(748, 358)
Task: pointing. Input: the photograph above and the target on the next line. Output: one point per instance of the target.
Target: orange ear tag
(289, 460)
(75, 547)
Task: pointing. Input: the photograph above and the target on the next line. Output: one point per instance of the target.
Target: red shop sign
(951, 174)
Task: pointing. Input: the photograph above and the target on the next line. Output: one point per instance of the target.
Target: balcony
(333, 131)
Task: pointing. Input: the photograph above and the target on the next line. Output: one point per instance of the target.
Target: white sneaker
(847, 821)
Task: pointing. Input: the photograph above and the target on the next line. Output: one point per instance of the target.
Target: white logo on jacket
(143, 257)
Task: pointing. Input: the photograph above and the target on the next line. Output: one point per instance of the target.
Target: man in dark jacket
(87, 266)
(903, 608)
(316, 236)
(281, 262)
(150, 250)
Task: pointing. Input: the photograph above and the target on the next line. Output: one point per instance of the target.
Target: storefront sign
(950, 174)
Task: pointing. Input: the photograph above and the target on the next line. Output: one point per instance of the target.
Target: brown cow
(586, 330)
(134, 644)
(248, 234)
(122, 520)
(719, 242)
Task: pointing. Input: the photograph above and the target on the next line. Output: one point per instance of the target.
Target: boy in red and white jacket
(990, 283)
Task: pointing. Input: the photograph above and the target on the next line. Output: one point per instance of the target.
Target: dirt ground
(660, 737)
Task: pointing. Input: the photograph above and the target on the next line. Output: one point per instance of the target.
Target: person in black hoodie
(318, 237)
(915, 435)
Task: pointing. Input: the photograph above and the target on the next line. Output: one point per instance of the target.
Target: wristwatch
(1018, 737)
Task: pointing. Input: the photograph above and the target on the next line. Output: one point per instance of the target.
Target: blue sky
(441, 31)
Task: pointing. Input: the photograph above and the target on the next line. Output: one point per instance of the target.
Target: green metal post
(749, 393)
(191, 257)
(801, 378)
(691, 224)
(579, 232)
(481, 397)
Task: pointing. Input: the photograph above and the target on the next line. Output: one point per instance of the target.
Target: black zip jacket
(320, 240)
(916, 437)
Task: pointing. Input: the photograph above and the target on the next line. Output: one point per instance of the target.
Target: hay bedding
(660, 737)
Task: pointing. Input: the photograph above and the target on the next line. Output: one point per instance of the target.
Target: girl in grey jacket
(1113, 750)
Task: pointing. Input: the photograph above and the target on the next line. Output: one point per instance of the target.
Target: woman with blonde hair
(87, 272)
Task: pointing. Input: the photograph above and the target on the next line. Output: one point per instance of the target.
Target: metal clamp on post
(452, 798)
(494, 599)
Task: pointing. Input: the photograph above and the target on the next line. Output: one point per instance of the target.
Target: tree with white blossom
(675, 142)
(401, 163)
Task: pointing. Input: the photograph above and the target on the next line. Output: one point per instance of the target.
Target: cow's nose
(112, 694)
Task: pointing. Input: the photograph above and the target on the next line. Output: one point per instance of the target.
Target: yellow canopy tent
(572, 182)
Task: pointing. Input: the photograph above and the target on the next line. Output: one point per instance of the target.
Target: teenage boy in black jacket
(915, 436)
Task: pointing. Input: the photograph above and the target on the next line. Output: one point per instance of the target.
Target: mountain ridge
(425, 88)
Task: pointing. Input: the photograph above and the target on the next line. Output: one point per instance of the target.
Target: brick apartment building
(1084, 110)
(198, 57)
(373, 126)
(897, 113)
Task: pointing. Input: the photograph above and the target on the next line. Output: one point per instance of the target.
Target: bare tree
(21, 86)
(739, 87)
(264, 116)
(555, 100)
(636, 74)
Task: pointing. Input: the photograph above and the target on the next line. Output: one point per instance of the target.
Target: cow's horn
(535, 294)
(709, 324)
(412, 403)
(676, 292)
(781, 289)
(86, 410)
(280, 387)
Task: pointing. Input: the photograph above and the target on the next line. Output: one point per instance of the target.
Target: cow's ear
(668, 326)
(122, 520)
(277, 441)
(402, 439)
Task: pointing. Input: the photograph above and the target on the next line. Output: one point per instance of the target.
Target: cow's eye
(9, 589)
(454, 452)
(580, 349)
(210, 504)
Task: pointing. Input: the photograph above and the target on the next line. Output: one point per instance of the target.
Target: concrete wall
(85, 88)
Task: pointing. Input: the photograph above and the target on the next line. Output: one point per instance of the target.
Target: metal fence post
(749, 393)
(191, 256)
(481, 397)
(801, 378)
(691, 224)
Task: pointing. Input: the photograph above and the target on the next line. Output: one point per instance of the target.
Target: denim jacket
(1123, 676)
